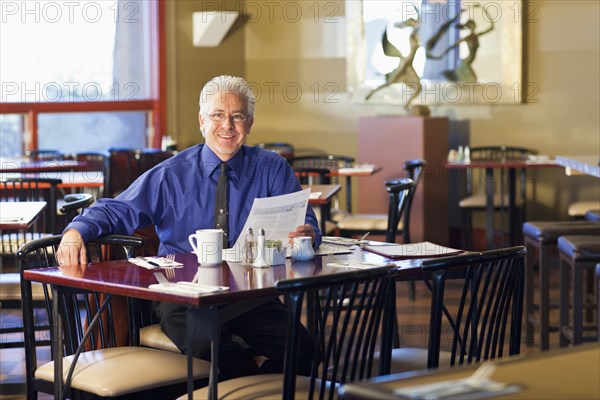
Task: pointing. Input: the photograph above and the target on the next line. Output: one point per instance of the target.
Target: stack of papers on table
(412, 250)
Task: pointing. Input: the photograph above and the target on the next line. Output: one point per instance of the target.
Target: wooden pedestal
(390, 140)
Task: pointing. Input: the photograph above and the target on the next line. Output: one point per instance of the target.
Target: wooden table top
(327, 193)
(501, 164)
(70, 179)
(127, 279)
(570, 373)
(19, 214)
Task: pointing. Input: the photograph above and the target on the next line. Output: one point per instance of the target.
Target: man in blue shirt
(178, 197)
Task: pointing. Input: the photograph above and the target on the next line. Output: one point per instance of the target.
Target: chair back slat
(77, 307)
(353, 314)
(414, 170)
(488, 315)
(399, 192)
(126, 165)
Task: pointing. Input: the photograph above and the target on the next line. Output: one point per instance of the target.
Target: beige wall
(283, 55)
(189, 67)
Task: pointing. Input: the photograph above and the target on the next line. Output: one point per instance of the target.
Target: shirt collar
(210, 161)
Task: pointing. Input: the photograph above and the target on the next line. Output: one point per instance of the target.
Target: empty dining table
(491, 168)
(17, 215)
(586, 164)
(25, 165)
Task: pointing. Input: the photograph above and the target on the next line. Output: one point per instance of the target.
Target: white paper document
(278, 216)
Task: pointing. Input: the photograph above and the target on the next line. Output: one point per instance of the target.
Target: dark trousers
(262, 324)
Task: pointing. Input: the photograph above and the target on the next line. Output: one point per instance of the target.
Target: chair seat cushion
(366, 222)
(266, 386)
(580, 248)
(120, 370)
(153, 336)
(579, 208)
(549, 231)
(407, 359)
(338, 214)
(479, 201)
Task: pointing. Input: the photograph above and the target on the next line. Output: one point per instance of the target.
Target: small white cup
(208, 246)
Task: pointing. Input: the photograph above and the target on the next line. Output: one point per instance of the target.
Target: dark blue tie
(221, 208)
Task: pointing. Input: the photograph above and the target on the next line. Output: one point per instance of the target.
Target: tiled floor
(413, 321)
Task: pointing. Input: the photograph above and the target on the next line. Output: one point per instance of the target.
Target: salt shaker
(261, 261)
(250, 247)
(461, 154)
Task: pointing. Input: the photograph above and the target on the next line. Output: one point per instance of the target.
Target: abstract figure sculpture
(464, 72)
(404, 72)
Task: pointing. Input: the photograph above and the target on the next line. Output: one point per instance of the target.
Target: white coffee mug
(208, 246)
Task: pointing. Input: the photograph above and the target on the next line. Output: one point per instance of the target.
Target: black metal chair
(126, 165)
(358, 224)
(285, 150)
(485, 324)
(10, 282)
(475, 199)
(98, 161)
(44, 155)
(331, 162)
(104, 368)
(400, 191)
(354, 317)
(29, 189)
(317, 176)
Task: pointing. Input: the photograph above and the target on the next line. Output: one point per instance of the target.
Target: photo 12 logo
(69, 11)
(21, 92)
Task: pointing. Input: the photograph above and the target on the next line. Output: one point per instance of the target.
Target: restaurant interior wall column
(391, 140)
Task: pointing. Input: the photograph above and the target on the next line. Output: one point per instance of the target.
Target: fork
(170, 258)
(170, 272)
(161, 279)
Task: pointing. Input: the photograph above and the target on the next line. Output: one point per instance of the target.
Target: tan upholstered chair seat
(478, 201)
(153, 336)
(121, 370)
(259, 387)
(413, 358)
(366, 222)
(338, 214)
(579, 208)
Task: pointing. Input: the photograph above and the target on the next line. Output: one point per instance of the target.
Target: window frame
(156, 106)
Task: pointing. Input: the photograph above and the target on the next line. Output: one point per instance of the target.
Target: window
(82, 75)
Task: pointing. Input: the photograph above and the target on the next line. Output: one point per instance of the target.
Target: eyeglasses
(220, 117)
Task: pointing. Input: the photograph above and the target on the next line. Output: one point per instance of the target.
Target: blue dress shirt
(178, 197)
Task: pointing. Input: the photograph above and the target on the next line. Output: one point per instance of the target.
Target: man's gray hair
(227, 83)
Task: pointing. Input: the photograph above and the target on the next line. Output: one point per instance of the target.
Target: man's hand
(71, 249)
(303, 230)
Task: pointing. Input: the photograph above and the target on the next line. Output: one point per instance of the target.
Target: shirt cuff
(83, 229)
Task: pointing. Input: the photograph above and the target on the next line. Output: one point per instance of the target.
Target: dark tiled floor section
(413, 324)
